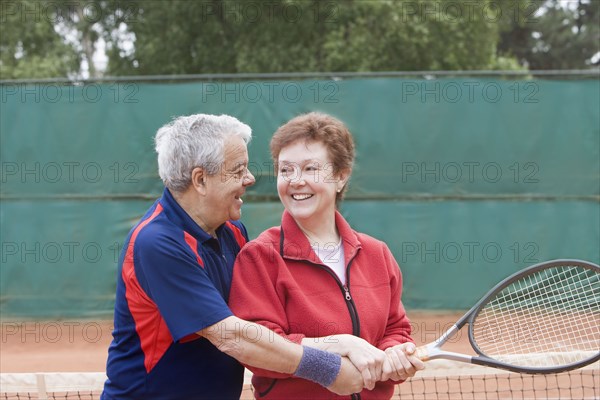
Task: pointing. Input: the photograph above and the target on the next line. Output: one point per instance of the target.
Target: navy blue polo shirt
(173, 280)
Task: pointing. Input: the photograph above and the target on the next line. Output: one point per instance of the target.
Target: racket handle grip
(422, 353)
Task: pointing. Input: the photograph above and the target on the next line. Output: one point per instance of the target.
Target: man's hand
(369, 360)
(348, 381)
(402, 362)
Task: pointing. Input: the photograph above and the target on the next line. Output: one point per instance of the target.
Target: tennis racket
(541, 320)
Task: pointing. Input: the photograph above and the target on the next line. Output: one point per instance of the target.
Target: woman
(316, 281)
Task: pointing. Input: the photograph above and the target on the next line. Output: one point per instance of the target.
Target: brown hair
(318, 127)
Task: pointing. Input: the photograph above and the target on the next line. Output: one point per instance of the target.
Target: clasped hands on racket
(396, 363)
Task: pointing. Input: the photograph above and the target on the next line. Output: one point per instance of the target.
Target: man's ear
(199, 180)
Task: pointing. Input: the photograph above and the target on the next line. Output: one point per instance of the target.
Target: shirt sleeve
(398, 326)
(254, 295)
(171, 276)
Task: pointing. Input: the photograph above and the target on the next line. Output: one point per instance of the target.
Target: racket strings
(555, 317)
(552, 319)
(549, 318)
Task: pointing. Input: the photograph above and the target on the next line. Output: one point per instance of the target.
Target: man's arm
(255, 345)
(368, 359)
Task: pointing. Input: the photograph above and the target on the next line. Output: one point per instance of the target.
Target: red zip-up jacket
(279, 282)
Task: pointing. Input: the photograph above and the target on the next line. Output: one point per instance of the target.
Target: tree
(30, 46)
(555, 36)
(408, 36)
(186, 37)
(168, 37)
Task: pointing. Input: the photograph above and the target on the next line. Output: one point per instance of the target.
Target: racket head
(543, 319)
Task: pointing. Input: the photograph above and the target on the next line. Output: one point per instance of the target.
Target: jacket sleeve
(398, 326)
(257, 294)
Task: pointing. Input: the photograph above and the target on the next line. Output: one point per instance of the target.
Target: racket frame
(433, 350)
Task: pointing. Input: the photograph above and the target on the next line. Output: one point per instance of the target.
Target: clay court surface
(81, 345)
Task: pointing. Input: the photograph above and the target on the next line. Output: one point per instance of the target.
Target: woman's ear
(343, 177)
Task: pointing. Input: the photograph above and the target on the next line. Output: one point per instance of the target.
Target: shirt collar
(295, 244)
(181, 218)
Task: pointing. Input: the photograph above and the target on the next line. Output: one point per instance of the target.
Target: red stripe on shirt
(151, 328)
(193, 243)
(239, 236)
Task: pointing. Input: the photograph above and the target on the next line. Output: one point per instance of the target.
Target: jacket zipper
(349, 303)
(345, 291)
(347, 296)
(353, 314)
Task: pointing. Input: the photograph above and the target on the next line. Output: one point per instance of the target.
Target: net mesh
(441, 380)
(578, 384)
(554, 311)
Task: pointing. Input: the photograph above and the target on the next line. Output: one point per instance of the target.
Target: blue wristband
(319, 366)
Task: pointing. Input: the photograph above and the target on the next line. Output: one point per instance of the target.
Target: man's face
(225, 189)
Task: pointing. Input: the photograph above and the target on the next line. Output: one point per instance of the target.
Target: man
(174, 335)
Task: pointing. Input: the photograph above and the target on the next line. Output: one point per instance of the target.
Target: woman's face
(306, 183)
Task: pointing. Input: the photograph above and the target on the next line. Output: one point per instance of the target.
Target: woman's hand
(402, 362)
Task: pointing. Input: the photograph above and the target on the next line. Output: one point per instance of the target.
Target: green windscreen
(467, 180)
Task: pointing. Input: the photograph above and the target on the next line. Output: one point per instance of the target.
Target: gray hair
(194, 141)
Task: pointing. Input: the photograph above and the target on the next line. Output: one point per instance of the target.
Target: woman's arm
(399, 347)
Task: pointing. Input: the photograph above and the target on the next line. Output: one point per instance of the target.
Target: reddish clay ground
(81, 346)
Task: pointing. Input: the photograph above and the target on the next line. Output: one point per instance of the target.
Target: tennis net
(449, 380)
(441, 380)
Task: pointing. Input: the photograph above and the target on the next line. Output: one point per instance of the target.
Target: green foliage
(170, 37)
(30, 47)
(291, 36)
(555, 36)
